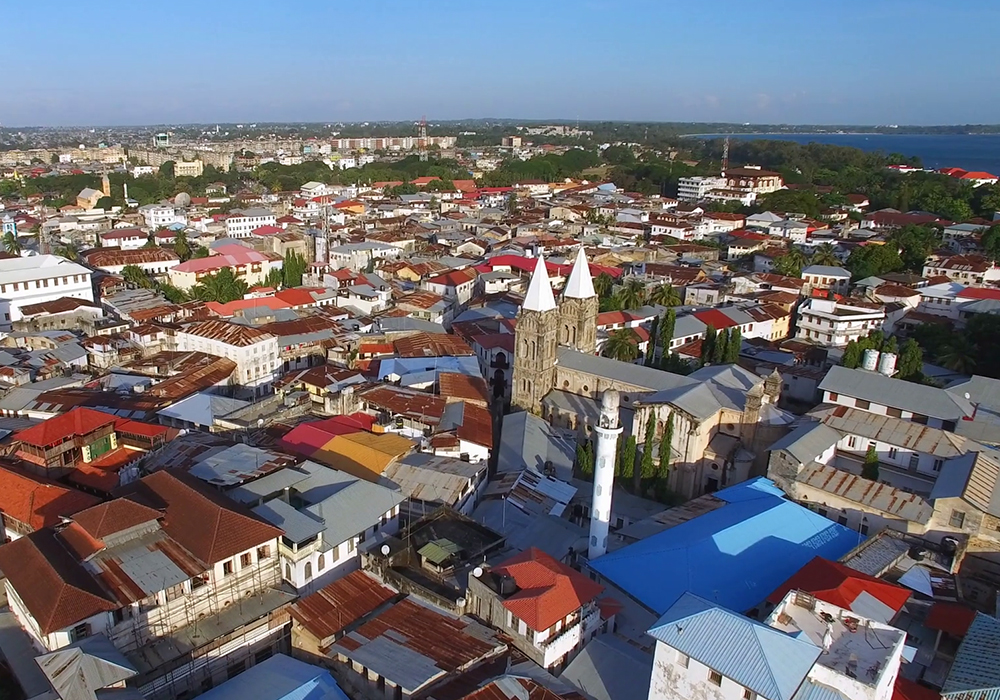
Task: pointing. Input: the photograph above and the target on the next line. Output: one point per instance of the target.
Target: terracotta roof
(200, 519)
(477, 425)
(840, 585)
(228, 333)
(58, 306)
(79, 421)
(453, 385)
(502, 690)
(54, 588)
(113, 517)
(432, 345)
(906, 689)
(38, 502)
(548, 590)
(110, 257)
(337, 606)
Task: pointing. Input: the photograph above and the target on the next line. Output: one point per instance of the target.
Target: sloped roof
(841, 585)
(548, 590)
(975, 667)
(907, 396)
(38, 502)
(539, 296)
(735, 554)
(765, 660)
(80, 670)
(580, 284)
(114, 516)
(78, 421)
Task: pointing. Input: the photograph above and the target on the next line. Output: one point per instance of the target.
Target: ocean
(967, 151)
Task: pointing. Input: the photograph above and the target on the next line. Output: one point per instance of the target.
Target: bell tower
(535, 343)
(578, 308)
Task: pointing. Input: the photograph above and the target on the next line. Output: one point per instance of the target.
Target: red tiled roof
(952, 618)
(840, 585)
(548, 590)
(38, 502)
(113, 517)
(714, 318)
(307, 438)
(79, 421)
(979, 293)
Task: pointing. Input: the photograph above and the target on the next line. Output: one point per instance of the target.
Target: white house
(162, 215)
(39, 278)
(836, 279)
(358, 256)
(835, 324)
(254, 351)
(124, 238)
(694, 189)
(242, 222)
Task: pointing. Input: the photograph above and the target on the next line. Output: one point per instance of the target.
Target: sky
(769, 61)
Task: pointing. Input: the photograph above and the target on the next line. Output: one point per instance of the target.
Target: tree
(891, 345)
(167, 170)
(667, 325)
(666, 440)
(824, 255)
(851, 358)
(11, 244)
(991, 243)
(222, 287)
(603, 284)
(200, 252)
(721, 347)
(172, 294)
(68, 251)
(665, 295)
(791, 263)
(622, 345)
(275, 277)
(959, 355)
(585, 459)
(708, 345)
(733, 346)
(628, 458)
(136, 276)
(647, 465)
(292, 269)
(512, 204)
(632, 294)
(911, 361)
(872, 260)
(651, 343)
(869, 470)
(181, 246)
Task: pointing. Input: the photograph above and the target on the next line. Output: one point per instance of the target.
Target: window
(264, 552)
(861, 403)
(288, 571)
(236, 669)
(893, 452)
(350, 545)
(852, 442)
(227, 567)
(309, 570)
(894, 412)
(79, 632)
(715, 678)
(683, 660)
(246, 559)
(917, 418)
(749, 694)
(914, 460)
(957, 518)
(842, 519)
(263, 655)
(834, 396)
(321, 562)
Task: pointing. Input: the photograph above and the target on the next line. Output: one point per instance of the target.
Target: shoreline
(824, 133)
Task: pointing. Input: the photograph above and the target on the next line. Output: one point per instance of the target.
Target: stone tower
(578, 308)
(606, 433)
(106, 185)
(535, 343)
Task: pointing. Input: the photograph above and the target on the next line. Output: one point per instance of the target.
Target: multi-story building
(162, 215)
(153, 261)
(242, 222)
(971, 270)
(39, 278)
(187, 605)
(254, 351)
(834, 323)
(251, 266)
(547, 609)
(124, 238)
(192, 168)
(359, 256)
(753, 179)
(835, 279)
(694, 189)
(806, 648)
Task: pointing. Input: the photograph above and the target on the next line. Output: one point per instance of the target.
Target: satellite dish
(385, 549)
(967, 397)
(260, 422)
(460, 602)
(183, 200)
(477, 572)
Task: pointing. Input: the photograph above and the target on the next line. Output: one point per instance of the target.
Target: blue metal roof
(734, 555)
(975, 673)
(279, 678)
(761, 658)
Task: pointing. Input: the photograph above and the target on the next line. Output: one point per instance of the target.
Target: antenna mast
(422, 138)
(725, 156)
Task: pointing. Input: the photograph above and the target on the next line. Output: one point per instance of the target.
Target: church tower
(106, 185)
(578, 310)
(535, 343)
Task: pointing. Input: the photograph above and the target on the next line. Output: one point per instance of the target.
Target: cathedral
(724, 416)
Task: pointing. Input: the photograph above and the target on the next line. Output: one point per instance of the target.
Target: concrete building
(242, 222)
(835, 324)
(37, 279)
(254, 351)
(695, 189)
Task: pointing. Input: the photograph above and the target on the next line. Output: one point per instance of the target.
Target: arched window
(288, 571)
(309, 570)
(321, 562)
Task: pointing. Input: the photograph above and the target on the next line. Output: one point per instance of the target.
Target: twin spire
(580, 285)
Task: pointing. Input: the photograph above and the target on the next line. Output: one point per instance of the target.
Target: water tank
(870, 361)
(887, 364)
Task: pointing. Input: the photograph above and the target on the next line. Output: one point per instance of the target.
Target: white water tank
(870, 360)
(887, 364)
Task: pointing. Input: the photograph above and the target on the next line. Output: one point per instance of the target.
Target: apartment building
(242, 222)
(153, 261)
(970, 270)
(37, 279)
(694, 189)
(255, 352)
(250, 265)
(834, 323)
(144, 572)
(162, 215)
(834, 279)
(753, 179)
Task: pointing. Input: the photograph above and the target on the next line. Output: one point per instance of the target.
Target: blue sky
(788, 61)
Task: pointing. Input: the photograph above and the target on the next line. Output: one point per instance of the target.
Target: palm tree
(791, 263)
(959, 356)
(603, 284)
(824, 255)
(67, 251)
(665, 295)
(622, 345)
(632, 295)
(11, 244)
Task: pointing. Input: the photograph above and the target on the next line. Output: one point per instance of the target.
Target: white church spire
(580, 284)
(539, 296)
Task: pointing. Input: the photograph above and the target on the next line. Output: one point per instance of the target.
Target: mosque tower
(607, 432)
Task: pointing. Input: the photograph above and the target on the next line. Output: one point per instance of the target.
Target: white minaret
(608, 430)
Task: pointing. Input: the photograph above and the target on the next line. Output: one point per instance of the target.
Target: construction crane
(422, 138)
